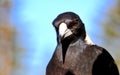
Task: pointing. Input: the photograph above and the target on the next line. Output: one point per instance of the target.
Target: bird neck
(65, 44)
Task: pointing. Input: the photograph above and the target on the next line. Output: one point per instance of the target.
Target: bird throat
(65, 44)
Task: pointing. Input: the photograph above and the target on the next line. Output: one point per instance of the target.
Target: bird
(75, 53)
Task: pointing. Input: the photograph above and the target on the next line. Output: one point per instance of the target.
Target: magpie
(75, 53)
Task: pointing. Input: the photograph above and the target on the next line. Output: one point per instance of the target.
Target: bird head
(69, 25)
(69, 28)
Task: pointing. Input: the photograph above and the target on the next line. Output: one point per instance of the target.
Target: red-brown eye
(73, 25)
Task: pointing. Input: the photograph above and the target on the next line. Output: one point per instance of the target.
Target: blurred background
(28, 39)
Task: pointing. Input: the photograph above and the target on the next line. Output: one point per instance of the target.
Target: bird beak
(64, 31)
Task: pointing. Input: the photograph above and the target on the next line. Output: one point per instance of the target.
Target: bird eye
(73, 25)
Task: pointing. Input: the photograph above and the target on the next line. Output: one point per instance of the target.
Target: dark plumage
(75, 54)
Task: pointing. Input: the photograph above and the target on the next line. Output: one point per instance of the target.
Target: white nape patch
(88, 40)
(62, 29)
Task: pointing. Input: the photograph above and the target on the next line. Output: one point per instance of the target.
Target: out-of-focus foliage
(111, 26)
(6, 4)
(9, 48)
(6, 41)
(6, 49)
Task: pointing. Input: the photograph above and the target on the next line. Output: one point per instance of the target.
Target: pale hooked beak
(64, 31)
